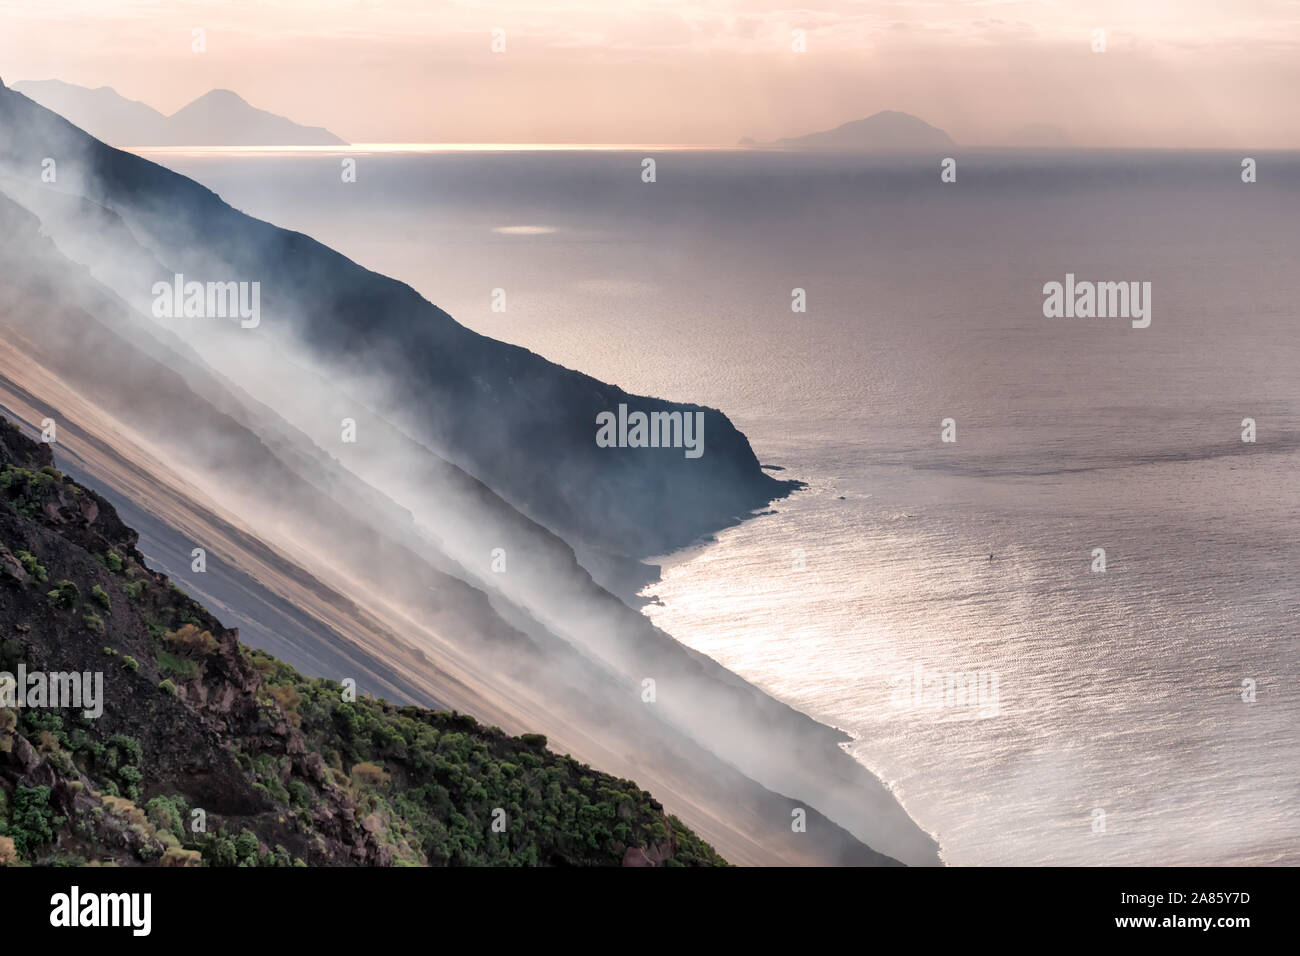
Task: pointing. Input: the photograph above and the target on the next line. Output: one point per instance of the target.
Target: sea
(1044, 569)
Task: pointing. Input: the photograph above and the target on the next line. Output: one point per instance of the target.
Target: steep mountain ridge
(217, 118)
(539, 648)
(524, 425)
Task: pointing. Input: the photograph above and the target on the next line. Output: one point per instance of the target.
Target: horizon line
(413, 147)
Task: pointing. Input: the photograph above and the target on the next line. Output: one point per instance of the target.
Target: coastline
(727, 805)
(396, 570)
(842, 738)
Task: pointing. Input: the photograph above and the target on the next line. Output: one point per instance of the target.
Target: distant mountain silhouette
(102, 112)
(887, 130)
(217, 118)
(223, 118)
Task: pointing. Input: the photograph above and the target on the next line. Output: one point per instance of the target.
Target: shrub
(93, 622)
(65, 595)
(173, 665)
(299, 793)
(190, 638)
(30, 566)
(128, 747)
(165, 814)
(370, 773)
(536, 741)
(126, 810)
(101, 597)
(113, 561)
(168, 688)
(287, 696)
(130, 663)
(30, 821)
(175, 856)
(247, 846)
(221, 852)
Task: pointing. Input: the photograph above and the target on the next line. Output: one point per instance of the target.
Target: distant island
(217, 118)
(886, 131)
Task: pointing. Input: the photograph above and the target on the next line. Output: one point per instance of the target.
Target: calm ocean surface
(1116, 732)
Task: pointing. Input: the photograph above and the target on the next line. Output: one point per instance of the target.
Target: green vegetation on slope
(209, 753)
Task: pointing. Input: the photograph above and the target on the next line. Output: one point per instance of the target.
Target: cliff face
(371, 560)
(71, 351)
(523, 425)
(283, 768)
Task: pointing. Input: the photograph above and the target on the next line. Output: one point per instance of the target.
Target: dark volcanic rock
(282, 768)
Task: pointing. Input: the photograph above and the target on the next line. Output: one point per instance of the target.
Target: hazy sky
(1174, 73)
